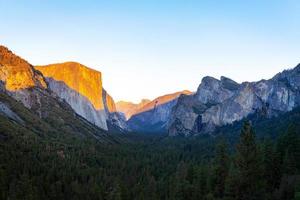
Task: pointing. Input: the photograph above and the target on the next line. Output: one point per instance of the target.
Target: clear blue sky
(146, 48)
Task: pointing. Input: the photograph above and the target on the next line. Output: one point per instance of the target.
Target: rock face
(72, 82)
(81, 88)
(79, 78)
(129, 109)
(153, 116)
(221, 102)
(6, 111)
(115, 120)
(78, 102)
(17, 73)
(20, 80)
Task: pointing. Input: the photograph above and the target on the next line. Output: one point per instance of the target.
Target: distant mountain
(152, 117)
(129, 108)
(221, 102)
(76, 89)
(77, 85)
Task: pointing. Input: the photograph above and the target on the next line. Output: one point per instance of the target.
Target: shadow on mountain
(153, 120)
(103, 118)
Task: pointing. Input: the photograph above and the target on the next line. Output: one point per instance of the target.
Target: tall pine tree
(248, 164)
(221, 169)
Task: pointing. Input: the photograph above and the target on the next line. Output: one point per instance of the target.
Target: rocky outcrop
(153, 116)
(221, 102)
(18, 74)
(20, 80)
(6, 111)
(87, 82)
(115, 120)
(81, 88)
(129, 108)
(79, 103)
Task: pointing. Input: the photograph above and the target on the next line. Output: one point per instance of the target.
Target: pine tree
(289, 149)
(201, 183)
(221, 169)
(271, 168)
(151, 188)
(231, 184)
(289, 163)
(115, 193)
(248, 166)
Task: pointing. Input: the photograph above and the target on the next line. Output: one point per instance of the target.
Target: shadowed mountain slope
(153, 116)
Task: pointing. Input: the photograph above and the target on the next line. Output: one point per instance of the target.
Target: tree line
(202, 168)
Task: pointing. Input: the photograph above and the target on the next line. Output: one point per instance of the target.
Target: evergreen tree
(248, 163)
(115, 193)
(289, 149)
(221, 169)
(231, 184)
(151, 190)
(271, 169)
(289, 163)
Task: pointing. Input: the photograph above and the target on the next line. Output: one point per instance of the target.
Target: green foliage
(67, 158)
(249, 166)
(221, 169)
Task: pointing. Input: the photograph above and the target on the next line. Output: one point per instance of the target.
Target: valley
(62, 136)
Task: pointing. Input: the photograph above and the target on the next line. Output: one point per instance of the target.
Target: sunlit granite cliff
(20, 80)
(17, 73)
(81, 87)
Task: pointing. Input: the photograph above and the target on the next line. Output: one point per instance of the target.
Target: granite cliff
(221, 102)
(81, 87)
(18, 74)
(20, 80)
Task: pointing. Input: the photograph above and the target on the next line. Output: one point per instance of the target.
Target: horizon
(149, 49)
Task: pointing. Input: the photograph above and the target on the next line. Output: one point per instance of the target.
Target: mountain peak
(7, 57)
(229, 83)
(17, 73)
(206, 79)
(297, 68)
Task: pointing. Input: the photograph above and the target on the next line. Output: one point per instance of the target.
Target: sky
(147, 48)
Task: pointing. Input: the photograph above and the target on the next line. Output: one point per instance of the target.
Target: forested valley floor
(139, 166)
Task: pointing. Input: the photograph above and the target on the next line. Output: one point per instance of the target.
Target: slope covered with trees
(41, 166)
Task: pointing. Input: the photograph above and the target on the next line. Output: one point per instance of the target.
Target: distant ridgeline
(216, 103)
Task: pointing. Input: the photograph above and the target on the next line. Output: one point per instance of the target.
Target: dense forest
(151, 167)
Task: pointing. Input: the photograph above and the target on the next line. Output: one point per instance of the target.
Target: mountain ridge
(152, 117)
(128, 108)
(17, 73)
(76, 84)
(217, 103)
